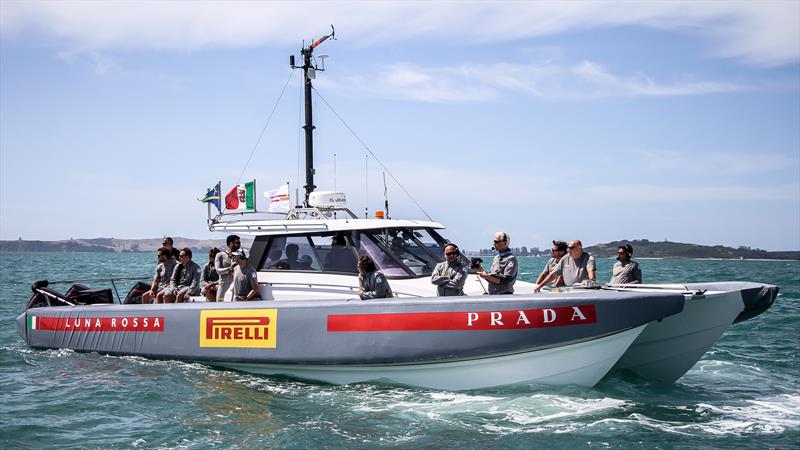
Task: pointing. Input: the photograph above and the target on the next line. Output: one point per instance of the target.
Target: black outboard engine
(82, 295)
(44, 296)
(78, 294)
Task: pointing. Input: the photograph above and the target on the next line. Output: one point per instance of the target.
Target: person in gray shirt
(162, 276)
(245, 279)
(576, 267)
(223, 264)
(504, 267)
(625, 271)
(372, 283)
(185, 280)
(450, 275)
(558, 251)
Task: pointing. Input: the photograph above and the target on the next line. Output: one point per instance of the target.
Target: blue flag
(212, 196)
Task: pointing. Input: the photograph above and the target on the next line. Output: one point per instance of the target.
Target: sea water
(744, 393)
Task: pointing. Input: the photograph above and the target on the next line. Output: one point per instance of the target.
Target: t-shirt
(626, 272)
(244, 280)
(222, 262)
(164, 273)
(575, 270)
(550, 265)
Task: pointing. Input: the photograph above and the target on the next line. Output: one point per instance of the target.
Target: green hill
(664, 249)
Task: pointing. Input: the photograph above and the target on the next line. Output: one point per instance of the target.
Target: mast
(309, 73)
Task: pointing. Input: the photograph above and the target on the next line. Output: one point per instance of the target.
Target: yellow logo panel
(239, 328)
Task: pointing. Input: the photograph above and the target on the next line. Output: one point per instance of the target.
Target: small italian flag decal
(32, 322)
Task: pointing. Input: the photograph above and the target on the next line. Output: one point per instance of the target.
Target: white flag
(278, 199)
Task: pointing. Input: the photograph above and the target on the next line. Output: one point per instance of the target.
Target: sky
(597, 120)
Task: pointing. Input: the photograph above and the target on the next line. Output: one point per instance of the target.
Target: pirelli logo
(241, 328)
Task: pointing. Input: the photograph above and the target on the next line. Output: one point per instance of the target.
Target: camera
(474, 263)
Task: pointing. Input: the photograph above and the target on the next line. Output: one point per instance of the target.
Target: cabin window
(336, 252)
(291, 253)
(417, 250)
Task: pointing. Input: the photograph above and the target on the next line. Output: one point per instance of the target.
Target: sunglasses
(572, 248)
(451, 254)
(501, 240)
(183, 255)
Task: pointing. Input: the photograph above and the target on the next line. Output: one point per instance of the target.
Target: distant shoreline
(643, 249)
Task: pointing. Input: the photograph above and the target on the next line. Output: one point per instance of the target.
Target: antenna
(385, 197)
(310, 70)
(366, 186)
(334, 181)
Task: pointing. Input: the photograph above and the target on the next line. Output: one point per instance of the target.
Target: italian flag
(241, 197)
(32, 322)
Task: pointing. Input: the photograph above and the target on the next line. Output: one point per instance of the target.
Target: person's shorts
(223, 287)
(164, 291)
(187, 291)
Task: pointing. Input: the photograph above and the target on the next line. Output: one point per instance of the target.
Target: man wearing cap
(625, 271)
(224, 264)
(576, 267)
(245, 279)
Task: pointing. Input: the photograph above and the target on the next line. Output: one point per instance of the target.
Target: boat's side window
(336, 252)
(291, 253)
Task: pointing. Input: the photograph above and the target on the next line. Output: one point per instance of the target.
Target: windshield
(417, 249)
(397, 252)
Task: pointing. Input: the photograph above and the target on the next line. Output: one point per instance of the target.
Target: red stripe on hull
(464, 320)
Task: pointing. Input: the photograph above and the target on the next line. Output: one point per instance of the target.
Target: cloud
(652, 193)
(489, 82)
(717, 163)
(765, 33)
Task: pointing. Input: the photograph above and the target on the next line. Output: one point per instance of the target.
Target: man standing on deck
(161, 279)
(245, 279)
(224, 265)
(504, 267)
(625, 271)
(576, 267)
(450, 275)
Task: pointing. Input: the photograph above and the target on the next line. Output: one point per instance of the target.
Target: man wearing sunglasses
(625, 271)
(557, 252)
(450, 275)
(162, 276)
(504, 267)
(576, 267)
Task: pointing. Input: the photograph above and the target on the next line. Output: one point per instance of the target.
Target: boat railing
(353, 289)
(662, 287)
(103, 280)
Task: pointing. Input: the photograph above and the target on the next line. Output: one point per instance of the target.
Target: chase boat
(312, 325)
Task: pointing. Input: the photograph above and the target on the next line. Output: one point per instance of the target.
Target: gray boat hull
(445, 342)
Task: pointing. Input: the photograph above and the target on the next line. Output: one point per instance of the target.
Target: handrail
(102, 280)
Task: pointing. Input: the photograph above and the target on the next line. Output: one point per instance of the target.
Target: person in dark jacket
(372, 283)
